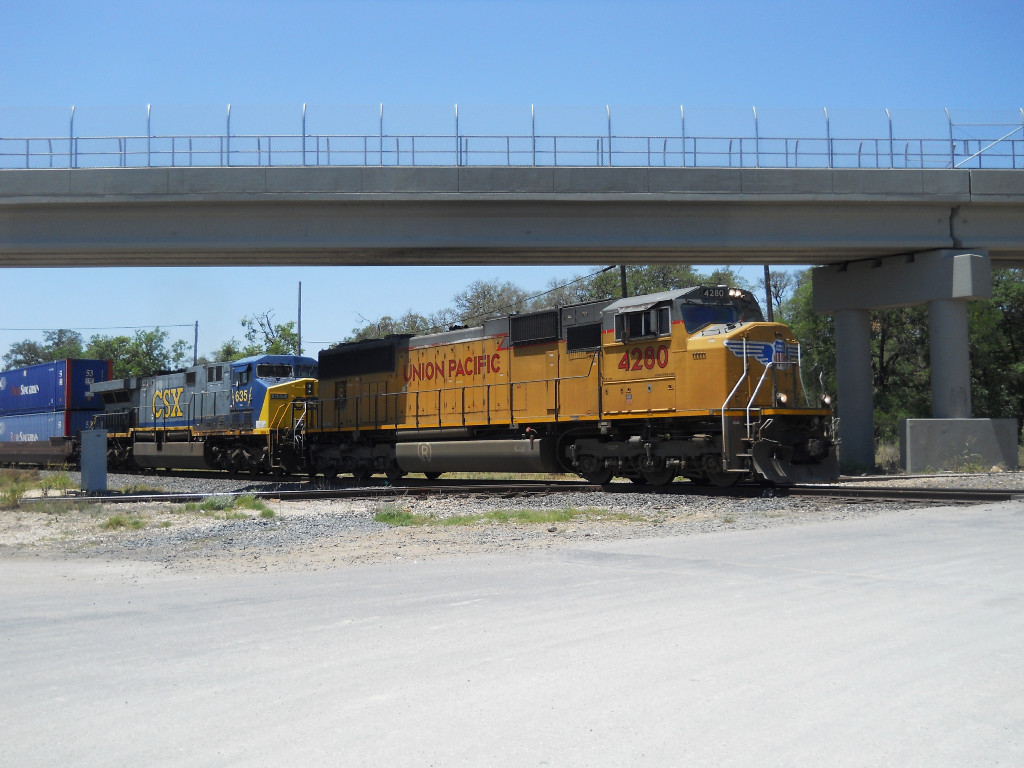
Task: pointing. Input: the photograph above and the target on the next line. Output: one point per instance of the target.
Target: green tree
(227, 352)
(997, 348)
(142, 354)
(817, 336)
(652, 278)
(484, 299)
(56, 345)
(900, 367)
(410, 322)
(266, 337)
(783, 284)
(25, 353)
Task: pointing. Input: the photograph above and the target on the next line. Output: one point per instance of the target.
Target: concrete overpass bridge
(487, 215)
(934, 234)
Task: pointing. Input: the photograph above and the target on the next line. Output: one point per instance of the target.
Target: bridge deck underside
(314, 216)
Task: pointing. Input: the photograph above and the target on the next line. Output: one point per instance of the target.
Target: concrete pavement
(895, 640)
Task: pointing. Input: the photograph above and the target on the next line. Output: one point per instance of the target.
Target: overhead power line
(104, 328)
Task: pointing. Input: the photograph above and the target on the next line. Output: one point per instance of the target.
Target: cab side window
(638, 325)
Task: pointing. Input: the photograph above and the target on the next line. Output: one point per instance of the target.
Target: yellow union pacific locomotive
(689, 382)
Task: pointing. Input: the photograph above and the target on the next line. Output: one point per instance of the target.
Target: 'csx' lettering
(167, 403)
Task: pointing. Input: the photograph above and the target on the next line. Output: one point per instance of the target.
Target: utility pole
(622, 280)
(768, 293)
(299, 334)
(195, 346)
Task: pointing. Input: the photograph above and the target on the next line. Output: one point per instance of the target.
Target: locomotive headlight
(826, 400)
(782, 397)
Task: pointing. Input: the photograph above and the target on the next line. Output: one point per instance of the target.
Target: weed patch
(230, 508)
(116, 522)
(397, 516)
(14, 483)
(56, 481)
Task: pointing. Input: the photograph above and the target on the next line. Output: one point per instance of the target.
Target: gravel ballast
(326, 533)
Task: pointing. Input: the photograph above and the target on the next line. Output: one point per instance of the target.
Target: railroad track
(526, 488)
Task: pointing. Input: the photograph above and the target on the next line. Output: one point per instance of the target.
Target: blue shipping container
(57, 386)
(40, 427)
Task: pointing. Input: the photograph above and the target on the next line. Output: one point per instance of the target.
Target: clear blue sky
(570, 57)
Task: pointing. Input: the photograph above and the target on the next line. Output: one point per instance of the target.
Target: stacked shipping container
(44, 407)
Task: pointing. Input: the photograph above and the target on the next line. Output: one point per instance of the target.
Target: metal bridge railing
(1000, 146)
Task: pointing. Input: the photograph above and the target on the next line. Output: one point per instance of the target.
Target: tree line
(899, 356)
(146, 352)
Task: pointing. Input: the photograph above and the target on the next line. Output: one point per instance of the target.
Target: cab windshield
(273, 371)
(697, 316)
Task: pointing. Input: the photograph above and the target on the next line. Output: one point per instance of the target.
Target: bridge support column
(854, 389)
(945, 280)
(949, 359)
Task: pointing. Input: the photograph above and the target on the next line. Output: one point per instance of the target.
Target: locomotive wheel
(258, 463)
(711, 473)
(362, 474)
(601, 476)
(394, 474)
(662, 476)
(722, 479)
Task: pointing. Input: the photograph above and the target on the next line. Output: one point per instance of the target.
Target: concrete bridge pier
(854, 387)
(945, 280)
(948, 349)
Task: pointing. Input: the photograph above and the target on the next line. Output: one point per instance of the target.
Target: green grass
(14, 483)
(230, 508)
(63, 506)
(211, 504)
(402, 517)
(116, 522)
(56, 481)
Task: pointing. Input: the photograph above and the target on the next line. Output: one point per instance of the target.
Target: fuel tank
(478, 456)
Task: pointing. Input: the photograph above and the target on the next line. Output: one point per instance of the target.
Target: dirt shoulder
(312, 535)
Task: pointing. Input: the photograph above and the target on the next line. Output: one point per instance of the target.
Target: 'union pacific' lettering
(451, 369)
(167, 403)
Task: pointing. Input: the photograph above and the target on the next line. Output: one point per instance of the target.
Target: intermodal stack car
(44, 408)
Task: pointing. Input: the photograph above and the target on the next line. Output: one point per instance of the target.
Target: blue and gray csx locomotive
(248, 415)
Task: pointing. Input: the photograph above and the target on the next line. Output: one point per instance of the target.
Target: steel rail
(962, 495)
(534, 488)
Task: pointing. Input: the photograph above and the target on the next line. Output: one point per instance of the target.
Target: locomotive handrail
(725, 430)
(750, 403)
